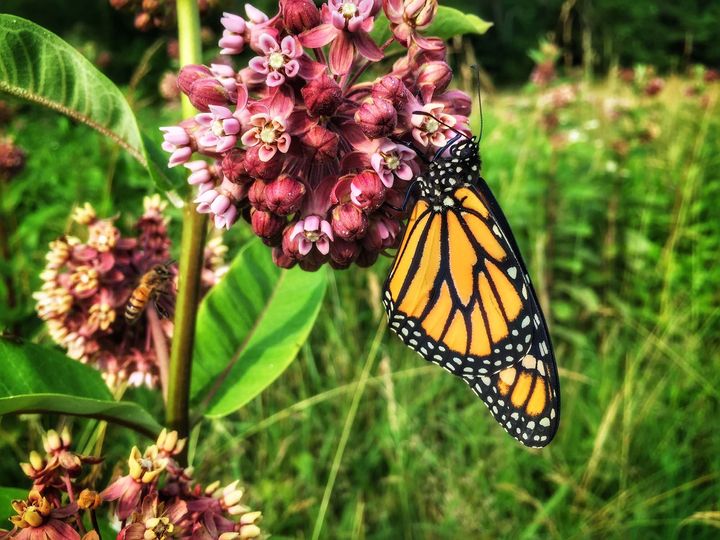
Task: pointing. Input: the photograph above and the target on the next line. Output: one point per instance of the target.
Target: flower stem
(191, 252)
(161, 348)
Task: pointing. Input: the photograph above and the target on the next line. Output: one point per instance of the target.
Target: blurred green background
(611, 180)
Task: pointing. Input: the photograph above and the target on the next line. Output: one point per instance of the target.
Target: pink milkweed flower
(221, 128)
(346, 26)
(429, 131)
(393, 160)
(269, 129)
(176, 141)
(310, 231)
(407, 17)
(278, 60)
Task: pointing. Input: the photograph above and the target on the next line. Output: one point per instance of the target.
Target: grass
(362, 439)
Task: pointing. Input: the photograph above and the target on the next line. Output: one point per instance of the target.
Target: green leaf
(449, 22)
(7, 495)
(38, 66)
(250, 328)
(40, 379)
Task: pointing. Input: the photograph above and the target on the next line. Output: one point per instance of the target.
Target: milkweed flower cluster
(296, 142)
(87, 281)
(156, 498)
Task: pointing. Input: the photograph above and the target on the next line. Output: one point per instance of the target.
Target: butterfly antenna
(478, 87)
(423, 113)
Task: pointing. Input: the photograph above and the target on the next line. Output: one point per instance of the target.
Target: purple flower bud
(12, 159)
(382, 234)
(343, 253)
(322, 96)
(256, 195)
(313, 261)
(366, 258)
(280, 259)
(392, 89)
(348, 221)
(257, 168)
(436, 73)
(191, 73)
(367, 191)
(284, 195)
(206, 92)
(322, 143)
(233, 166)
(377, 118)
(299, 15)
(266, 224)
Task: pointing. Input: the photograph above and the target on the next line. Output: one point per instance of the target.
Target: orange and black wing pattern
(458, 293)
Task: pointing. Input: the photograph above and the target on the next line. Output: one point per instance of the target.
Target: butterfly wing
(459, 294)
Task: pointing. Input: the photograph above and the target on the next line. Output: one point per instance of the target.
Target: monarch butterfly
(459, 294)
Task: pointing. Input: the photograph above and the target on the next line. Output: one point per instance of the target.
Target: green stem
(191, 252)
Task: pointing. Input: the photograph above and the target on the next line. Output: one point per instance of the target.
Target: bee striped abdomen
(137, 303)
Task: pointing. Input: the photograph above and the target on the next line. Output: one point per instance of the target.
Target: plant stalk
(191, 252)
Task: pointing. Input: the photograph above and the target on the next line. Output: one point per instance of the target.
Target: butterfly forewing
(458, 293)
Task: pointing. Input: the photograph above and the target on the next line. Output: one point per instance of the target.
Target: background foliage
(617, 217)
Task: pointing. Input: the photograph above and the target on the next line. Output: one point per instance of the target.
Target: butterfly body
(459, 294)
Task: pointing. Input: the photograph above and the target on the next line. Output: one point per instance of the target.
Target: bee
(153, 284)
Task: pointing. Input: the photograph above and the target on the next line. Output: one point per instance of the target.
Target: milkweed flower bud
(191, 73)
(348, 221)
(258, 168)
(436, 73)
(284, 195)
(206, 92)
(377, 118)
(391, 89)
(322, 144)
(266, 224)
(343, 253)
(256, 194)
(322, 96)
(381, 235)
(233, 166)
(367, 191)
(299, 15)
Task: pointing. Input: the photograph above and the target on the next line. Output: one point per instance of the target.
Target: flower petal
(367, 47)
(318, 36)
(342, 54)
(259, 64)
